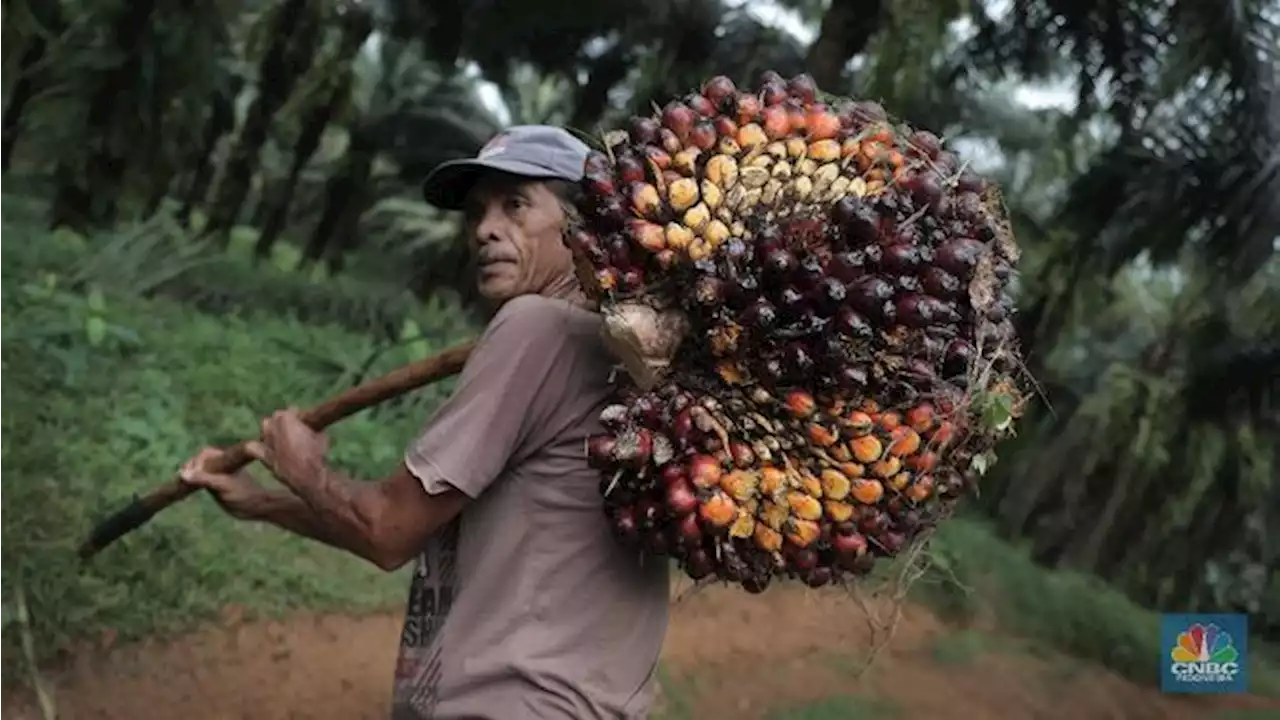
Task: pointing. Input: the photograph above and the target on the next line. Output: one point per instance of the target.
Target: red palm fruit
(644, 130)
(704, 136)
(822, 123)
(699, 103)
(926, 143)
(771, 76)
(796, 115)
(681, 498)
(679, 119)
(773, 93)
(705, 471)
(742, 455)
(959, 256)
(776, 122)
(687, 531)
(647, 235)
(673, 472)
(630, 170)
(921, 417)
(657, 157)
(748, 108)
(725, 126)
(669, 142)
(718, 89)
(600, 450)
(599, 183)
(803, 88)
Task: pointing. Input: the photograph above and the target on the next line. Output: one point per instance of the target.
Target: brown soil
(727, 655)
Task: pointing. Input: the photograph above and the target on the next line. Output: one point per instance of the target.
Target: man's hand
(293, 452)
(237, 493)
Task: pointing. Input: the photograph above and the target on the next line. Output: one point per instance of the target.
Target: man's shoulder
(535, 321)
(541, 308)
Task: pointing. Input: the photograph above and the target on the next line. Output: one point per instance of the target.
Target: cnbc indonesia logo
(1205, 654)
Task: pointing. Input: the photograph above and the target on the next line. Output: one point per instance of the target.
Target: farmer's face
(517, 229)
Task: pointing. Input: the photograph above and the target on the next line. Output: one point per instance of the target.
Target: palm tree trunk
(221, 121)
(847, 27)
(91, 197)
(346, 197)
(23, 90)
(294, 32)
(357, 26)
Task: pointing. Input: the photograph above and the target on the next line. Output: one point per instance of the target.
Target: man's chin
(497, 289)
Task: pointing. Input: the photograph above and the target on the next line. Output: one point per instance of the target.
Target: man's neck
(566, 287)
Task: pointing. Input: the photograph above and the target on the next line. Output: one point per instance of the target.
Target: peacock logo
(1204, 644)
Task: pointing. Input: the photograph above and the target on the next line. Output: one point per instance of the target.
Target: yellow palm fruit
(722, 171)
(802, 533)
(682, 194)
(772, 481)
(888, 466)
(774, 514)
(753, 177)
(696, 217)
(715, 233)
(835, 485)
(711, 194)
(804, 506)
(743, 526)
(685, 162)
(678, 236)
(838, 511)
(740, 484)
(824, 150)
(767, 538)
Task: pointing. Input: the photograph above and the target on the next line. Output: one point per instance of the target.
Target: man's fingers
(194, 475)
(258, 451)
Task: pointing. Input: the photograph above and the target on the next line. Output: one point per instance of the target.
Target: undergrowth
(107, 393)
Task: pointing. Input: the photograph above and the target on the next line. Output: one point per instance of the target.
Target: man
(523, 605)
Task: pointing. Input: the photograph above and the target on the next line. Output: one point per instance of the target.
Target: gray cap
(532, 151)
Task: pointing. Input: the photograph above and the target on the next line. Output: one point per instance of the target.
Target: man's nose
(487, 229)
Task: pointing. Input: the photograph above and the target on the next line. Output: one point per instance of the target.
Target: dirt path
(727, 655)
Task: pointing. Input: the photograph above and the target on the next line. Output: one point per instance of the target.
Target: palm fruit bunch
(812, 302)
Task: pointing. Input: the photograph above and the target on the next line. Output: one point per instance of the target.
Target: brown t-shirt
(526, 606)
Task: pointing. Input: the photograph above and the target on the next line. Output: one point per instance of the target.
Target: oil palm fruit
(812, 303)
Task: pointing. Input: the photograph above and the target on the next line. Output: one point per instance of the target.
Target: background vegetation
(212, 212)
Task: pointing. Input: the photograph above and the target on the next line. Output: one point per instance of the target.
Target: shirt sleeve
(493, 412)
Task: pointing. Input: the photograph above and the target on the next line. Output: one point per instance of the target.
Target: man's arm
(492, 418)
(385, 522)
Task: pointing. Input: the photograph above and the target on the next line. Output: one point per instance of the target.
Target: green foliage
(108, 394)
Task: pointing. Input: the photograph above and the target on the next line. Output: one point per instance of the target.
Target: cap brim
(447, 186)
